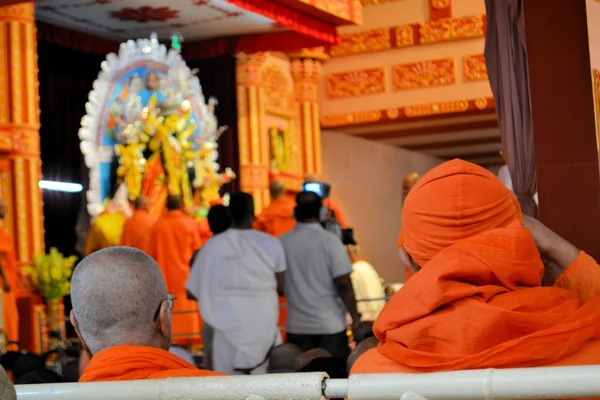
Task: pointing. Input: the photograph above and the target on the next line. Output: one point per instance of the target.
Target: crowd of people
(491, 288)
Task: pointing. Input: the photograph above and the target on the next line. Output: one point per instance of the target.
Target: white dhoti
(234, 280)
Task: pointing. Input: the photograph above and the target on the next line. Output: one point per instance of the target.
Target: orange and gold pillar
(252, 133)
(20, 165)
(307, 69)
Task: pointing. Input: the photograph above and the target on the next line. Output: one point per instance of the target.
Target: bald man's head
(116, 294)
(276, 189)
(141, 203)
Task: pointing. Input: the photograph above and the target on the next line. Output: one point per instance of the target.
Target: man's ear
(408, 261)
(76, 326)
(164, 321)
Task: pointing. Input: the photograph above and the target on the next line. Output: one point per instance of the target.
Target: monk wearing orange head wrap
(121, 313)
(476, 299)
(277, 218)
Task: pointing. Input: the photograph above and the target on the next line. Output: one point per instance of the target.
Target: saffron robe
(10, 315)
(130, 363)
(173, 241)
(137, 229)
(277, 218)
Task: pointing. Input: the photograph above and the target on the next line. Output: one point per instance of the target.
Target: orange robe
(477, 301)
(173, 241)
(203, 230)
(10, 316)
(581, 280)
(277, 218)
(333, 206)
(130, 363)
(106, 231)
(136, 230)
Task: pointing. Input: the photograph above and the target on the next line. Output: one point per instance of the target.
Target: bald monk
(107, 228)
(173, 241)
(121, 313)
(330, 204)
(8, 274)
(476, 300)
(410, 180)
(136, 230)
(278, 217)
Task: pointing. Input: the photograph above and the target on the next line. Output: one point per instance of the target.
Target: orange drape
(136, 231)
(173, 240)
(127, 363)
(9, 300)
(277, 218)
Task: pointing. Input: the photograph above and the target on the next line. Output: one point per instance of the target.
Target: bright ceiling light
(61, 186)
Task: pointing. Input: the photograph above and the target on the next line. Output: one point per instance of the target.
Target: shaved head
(141, 203)
(116, 293)
(276, 189)
(2, 209)
(311, 178)
(282, 358)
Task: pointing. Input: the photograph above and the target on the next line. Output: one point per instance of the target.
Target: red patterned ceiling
(127, 19)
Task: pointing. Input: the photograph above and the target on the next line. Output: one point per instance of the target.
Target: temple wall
(593, 21)
(366, 179)
(405, 55)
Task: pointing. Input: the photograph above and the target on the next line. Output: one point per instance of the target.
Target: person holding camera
(318, 287)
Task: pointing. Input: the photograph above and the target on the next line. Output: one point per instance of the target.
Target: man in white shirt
(318, 287)
(236, 279)
(367, 286)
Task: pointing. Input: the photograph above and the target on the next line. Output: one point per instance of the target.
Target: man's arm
(340, 268)
(190, 295)
(280, 277)
(343, 284)
(280, 268)
(7, 287)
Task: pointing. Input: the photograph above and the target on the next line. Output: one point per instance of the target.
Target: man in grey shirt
(317, 282)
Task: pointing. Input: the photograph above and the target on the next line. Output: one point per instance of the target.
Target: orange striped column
(307, 69)
(19, 130)
(252, 133)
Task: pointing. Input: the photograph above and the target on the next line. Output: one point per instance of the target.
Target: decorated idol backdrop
(149, 130)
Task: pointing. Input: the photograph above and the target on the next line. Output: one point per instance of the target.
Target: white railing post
(503, 384)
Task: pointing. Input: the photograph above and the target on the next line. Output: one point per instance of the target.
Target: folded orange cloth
(128, 363)
(477, 301)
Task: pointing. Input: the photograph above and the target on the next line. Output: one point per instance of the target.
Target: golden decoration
(248, 67)
(281, 150)
(440, 4)
(424, 74)
(596, 75)
(413, 111)
(366, 3)
(362, 42)
(338, 8)
(474, 68)
(405, 36)
(481, 103)
(355, 83)
(392, 113)
(276, 85)
(447, 29)
(360, 117)
(23, 12)
(306, 69)
(445, 107)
